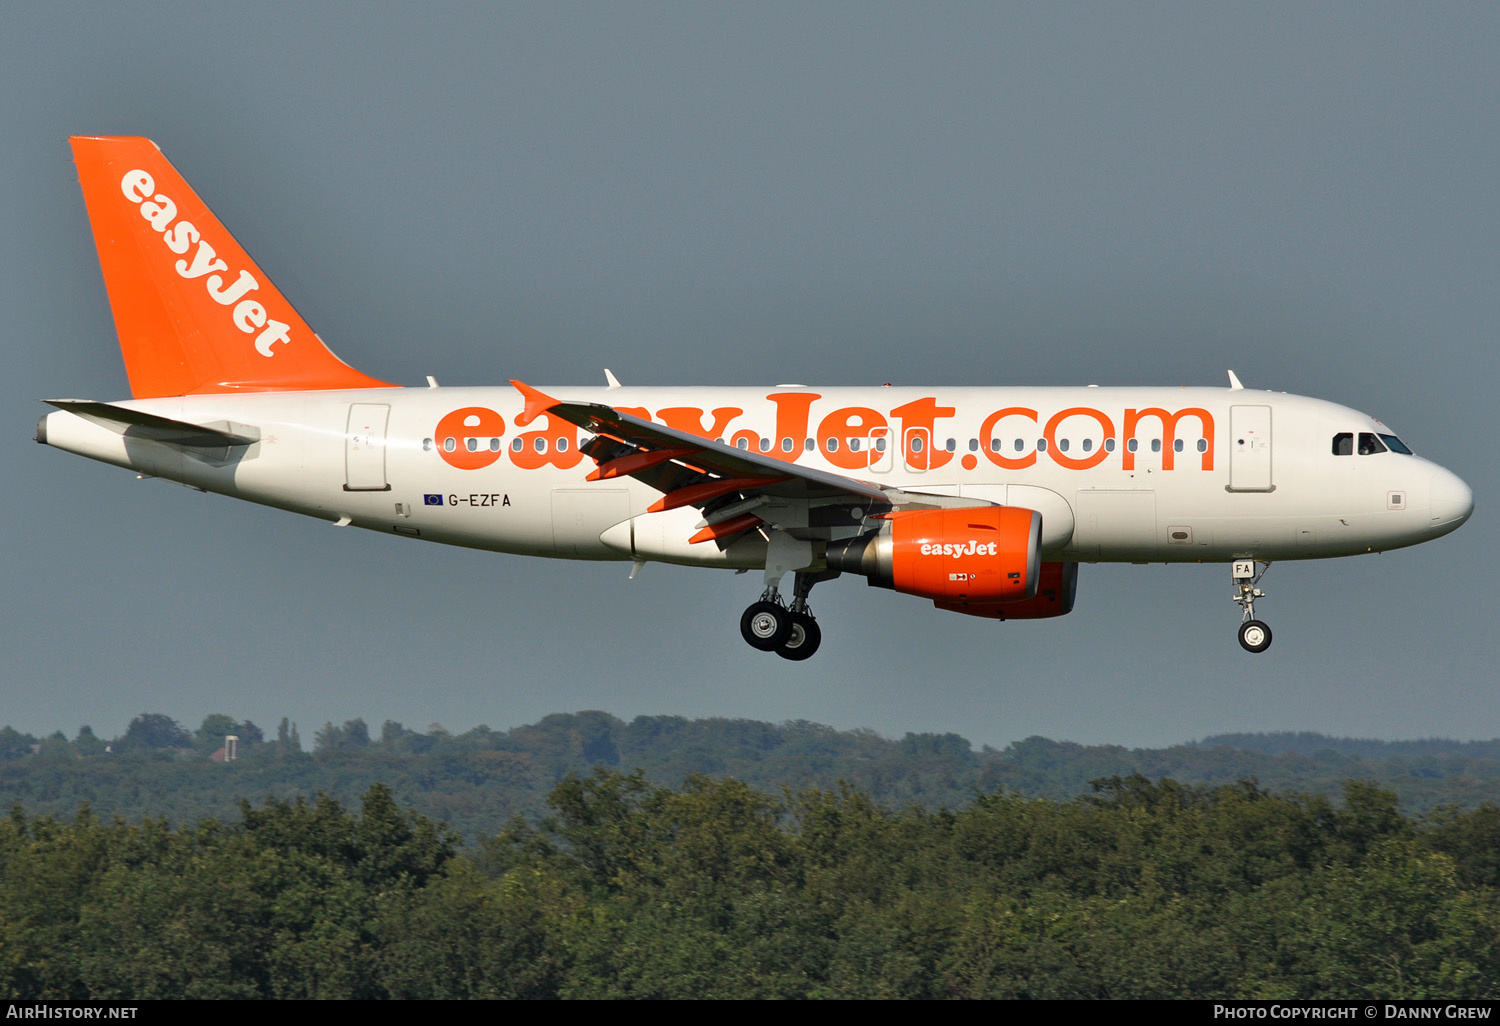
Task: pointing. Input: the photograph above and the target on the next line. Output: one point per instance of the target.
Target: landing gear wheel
(803, 639)
(1255, 636)
(766, 626)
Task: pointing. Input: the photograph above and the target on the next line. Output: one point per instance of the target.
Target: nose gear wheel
(1255, 635)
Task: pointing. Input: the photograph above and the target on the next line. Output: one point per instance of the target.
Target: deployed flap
(119, 419)
(193, 311)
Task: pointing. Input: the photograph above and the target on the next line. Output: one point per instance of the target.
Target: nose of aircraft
(1451, 500)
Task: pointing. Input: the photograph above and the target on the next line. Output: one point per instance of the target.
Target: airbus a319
(983, 501)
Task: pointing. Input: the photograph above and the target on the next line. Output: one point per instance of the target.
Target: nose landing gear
(1255, 635)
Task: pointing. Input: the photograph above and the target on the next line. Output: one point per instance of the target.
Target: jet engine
(975, 555)
(1054, 597)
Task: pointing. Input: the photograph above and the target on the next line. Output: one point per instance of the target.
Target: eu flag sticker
(429, 499)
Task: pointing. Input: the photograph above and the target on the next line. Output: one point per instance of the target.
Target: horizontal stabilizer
(119, 419)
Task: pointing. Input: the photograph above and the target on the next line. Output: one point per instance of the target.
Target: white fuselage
(1118, 474)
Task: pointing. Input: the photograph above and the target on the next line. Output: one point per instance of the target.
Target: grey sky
(747, 194)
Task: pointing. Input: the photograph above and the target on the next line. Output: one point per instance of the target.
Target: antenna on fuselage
(1234, 383)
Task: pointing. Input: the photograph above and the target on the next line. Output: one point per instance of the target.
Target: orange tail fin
(194, 313)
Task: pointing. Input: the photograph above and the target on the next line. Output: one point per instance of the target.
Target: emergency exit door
(1250, 449)
(364, 448)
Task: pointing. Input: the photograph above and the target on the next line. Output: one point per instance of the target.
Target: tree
(353, 734)
(86, 743)
(155, 731)
(287, 741)
(14, 744)
(216, 726)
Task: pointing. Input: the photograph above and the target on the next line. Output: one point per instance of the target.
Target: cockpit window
(1343, 444)
(1396, 445)
(1369, 445)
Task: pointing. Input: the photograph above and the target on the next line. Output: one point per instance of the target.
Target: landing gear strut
(1255, 636)
(790, 632)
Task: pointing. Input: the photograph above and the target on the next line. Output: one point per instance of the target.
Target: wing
(736, 489)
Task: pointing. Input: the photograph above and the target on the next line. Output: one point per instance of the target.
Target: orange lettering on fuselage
(844, 435)
(1064, 460)
(690, 419)
(791, 422)
(921, 416)
(1169, 434)
(987, 443)
(839, 427)
(463, 437)
(555, 445)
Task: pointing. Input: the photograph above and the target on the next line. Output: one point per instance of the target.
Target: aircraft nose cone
(1452, 501)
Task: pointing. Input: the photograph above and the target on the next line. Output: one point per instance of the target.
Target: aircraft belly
(1115, 525)
(581, 515)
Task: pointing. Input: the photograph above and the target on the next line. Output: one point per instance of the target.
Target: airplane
(982, 500)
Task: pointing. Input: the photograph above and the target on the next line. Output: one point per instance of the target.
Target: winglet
(537, 403)
(1234, 383)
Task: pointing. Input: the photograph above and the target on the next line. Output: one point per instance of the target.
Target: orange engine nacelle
(1054, 597)
(978, 554)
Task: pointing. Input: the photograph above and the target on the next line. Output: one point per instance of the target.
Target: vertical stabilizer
(193, 311)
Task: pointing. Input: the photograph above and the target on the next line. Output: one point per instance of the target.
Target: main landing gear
(791, 632)
(1255, 636)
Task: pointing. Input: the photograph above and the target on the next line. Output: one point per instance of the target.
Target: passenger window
(1041, 445)
(1176, 445)
(516, 445)
(1020, 444)
(809, 445)
(880, 445)
(786, 445)
(541, 445)
(916, 443)
(562, 445)
(1343, 444)
(854, 445)
(472, 444)
(1062, 445)
(1133, 445)
(742, 442)
(973, 445)
(494, 445)
(1156, 445)
(764, 445)
(952, 445)
(1088, 445)
(449, 444)
(994, 445)
(1109, 445)
(426, 445)
(1203, 445)
(1369, 445)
